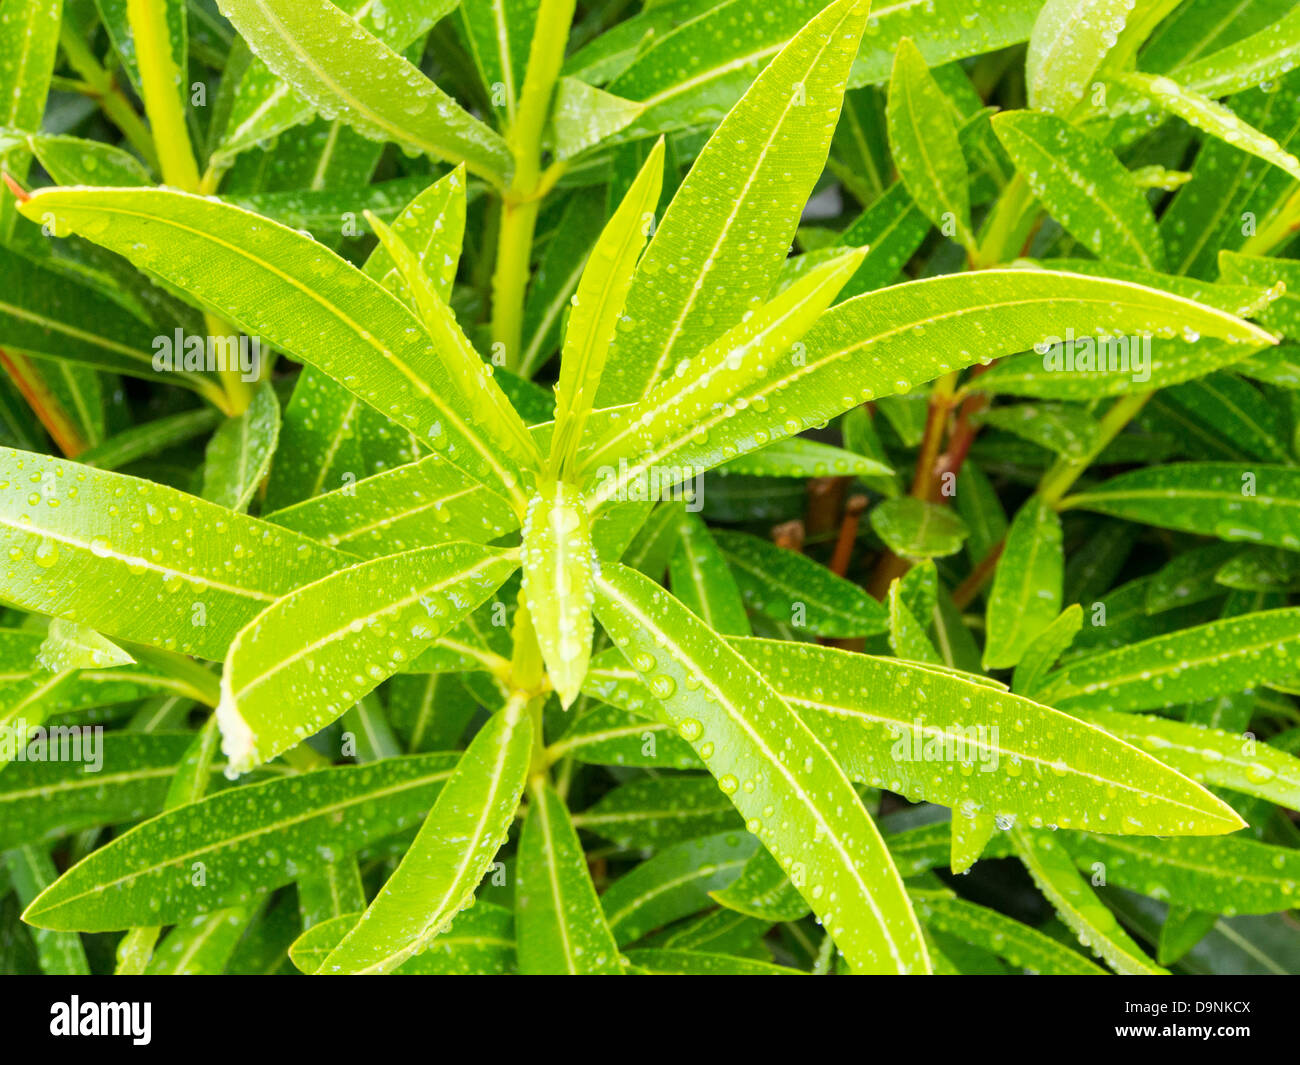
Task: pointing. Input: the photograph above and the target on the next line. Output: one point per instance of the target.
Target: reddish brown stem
(964, 594)
(843, 553)
(44, 404)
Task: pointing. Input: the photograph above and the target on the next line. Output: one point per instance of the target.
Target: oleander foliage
(797, 488)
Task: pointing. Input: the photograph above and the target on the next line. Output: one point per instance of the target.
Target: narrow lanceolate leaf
(764, 891)
(480, 392)
(582, 116)
(668, 962)
(1212, 117)
(557, 565)
(277, 284)
(792, 794)
(239, 454)
(479, 941)
(457, 842)
(1247, 501)
(597, 306)
(702, 580)
(367, 85)
(1238, 762)
(1255, 60)
(653, 811)
(729, 365)
(1070, 40)
(915, 528)
(1045, 649)
(1077, 904)
(415, 505)
(1228, 875)
(113, 552)
(311, 655)
(146, 876)
(44, 800)
(1181, 667)
(560, 927)
(50, 313)
(60, 953)
(725, 236)
(888, 722)
(432, 226)
(888, 342)
(923, 140)
(74, 161)
(1083, 186)
(1026, 595)
(800, 457)
(1022, 946)
(68, 646)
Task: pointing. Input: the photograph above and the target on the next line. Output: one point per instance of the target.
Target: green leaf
(561, 928)
(791, 588)
(725, 235)
(1228, 876)
(557, 566)
(1185, 666)
(1083, 186)
(68, 646)
(597, 307)
(1258, 59)
(239, 454)
(1210, 755)
(1045, 649)
(74, 161)
(763, 891)
(582, 116)
(1022, 946)
(112, 531)
(1026, 595)
(914, 528)
(702, 963)
(1078, 906)
(416, 505)
(275, 283)
(1250, 502)
(299, 664)
(478, 940)
(737, 723)
(890, 722)
(923, 140)
(674, 883)
(27, 58)
(370, 87)
(800, 457)
(655, 811)
(1071, 39)
(60, 953)
(1212, 117)
(702, 580)
(238, 842)
(456, 844)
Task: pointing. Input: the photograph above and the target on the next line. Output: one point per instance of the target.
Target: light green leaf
(1026, 595)
(457, 842)
(310, 655)
(666, 962)
(1045, 649)
(561, 928)
(1185, 666)
(703, 582)
(369, 86)
(725, 235)
(60, 953)
(1212, 117)
(583, 116)
(823, 837)
(888, 722)
(800, 457)
(1259, 59)
(27, 57)
(923, 140)
(557, 565)
(68, 646)
(655, 811)
(914, 528)
(597, 307)
(1077, 904)
(1071, 39)
(239, 454)
(113, 531)
(1083, 186)
(145, 876)
(1250, 502)
(763, 891)
(297, 296)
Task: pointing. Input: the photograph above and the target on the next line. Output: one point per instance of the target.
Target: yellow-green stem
(1058, 480)
(103, 87)
(160, 87)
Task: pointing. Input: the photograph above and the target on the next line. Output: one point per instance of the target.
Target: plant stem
(521, 201)
(1008, 226)
(1058, 480)
(159, 86)
(103, 87)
